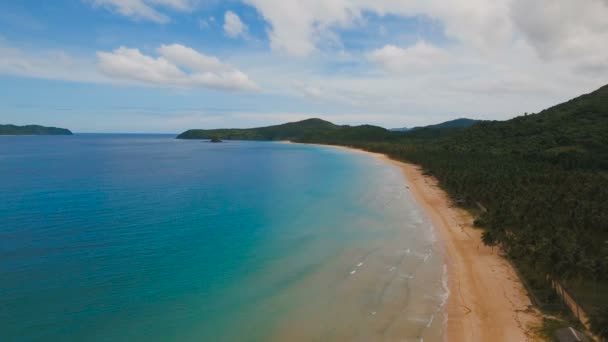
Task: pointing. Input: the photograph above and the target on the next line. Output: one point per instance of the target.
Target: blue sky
(170, 65)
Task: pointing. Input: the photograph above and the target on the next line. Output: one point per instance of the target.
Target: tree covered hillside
(32, 130)
(309, 130)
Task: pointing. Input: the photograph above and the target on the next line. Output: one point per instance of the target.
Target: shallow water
(144, 237)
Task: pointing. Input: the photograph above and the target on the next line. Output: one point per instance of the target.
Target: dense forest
(32, 130)
(542, 180)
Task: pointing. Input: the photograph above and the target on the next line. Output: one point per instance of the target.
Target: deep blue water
(145, 237)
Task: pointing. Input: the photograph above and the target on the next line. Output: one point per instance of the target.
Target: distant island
(536, 184)
(32, 130)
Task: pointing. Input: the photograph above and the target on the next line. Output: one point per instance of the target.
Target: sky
(165, 66)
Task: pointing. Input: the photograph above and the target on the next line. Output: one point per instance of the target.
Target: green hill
(32, 130)
(457, 123)
(574, 133)
(309, 130)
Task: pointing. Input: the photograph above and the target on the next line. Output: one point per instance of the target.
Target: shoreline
(487, 301)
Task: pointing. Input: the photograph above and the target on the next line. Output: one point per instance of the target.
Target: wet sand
(389, 283)
(487, 301)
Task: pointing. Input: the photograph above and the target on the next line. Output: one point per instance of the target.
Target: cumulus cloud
(233, 26)
(419, 57)
(490, 58)
(571, 30)
(518, 55)
(176, 66)
(311, 91)
(565, 30)
(145, 9)
(298, 27)
(51, 64)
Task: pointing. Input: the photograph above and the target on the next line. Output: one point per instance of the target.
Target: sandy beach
(487, 301)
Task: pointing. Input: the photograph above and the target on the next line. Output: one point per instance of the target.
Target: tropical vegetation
(32, 130)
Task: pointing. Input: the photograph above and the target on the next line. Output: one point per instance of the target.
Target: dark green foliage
(599, 323)
(215, 140)
(307, 130)
(292, 130)
(542, 180)
(458, 123)
(32, 130)
(488, 238)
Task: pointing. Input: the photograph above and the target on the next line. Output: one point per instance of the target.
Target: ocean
(123, 237)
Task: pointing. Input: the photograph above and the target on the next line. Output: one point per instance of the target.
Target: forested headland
(32, 130)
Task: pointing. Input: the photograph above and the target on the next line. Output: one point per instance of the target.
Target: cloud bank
(572, 30)
(419, 57)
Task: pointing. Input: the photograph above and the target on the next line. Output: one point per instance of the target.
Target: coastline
(487, 301)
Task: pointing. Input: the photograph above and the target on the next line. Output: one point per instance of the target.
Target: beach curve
(487, 300)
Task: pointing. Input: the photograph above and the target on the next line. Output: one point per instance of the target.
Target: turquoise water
(144, 237)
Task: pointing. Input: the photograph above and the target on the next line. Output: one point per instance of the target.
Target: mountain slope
(457, 123)
(573, 134)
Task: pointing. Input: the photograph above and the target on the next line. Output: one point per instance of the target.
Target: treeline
(32, 130)
(553, 218)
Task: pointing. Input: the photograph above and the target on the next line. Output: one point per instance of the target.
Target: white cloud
(489, 59)
(500, 57)
(188, 57)
(419, 57)
(145, 9)
(311, 91)
(51, 64)
(298, 27)
(572, 30)
(176, 66)
(181, 5)
(233, 26)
